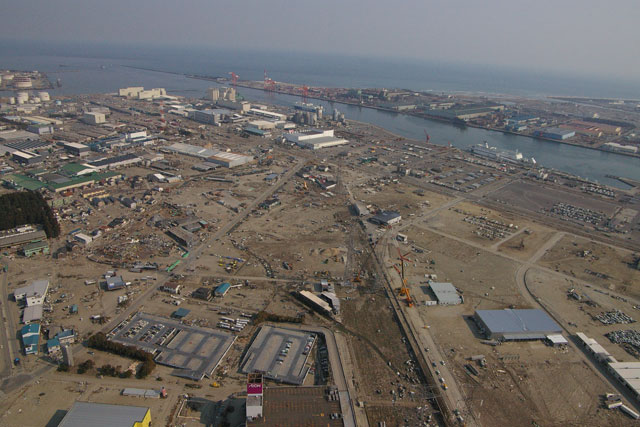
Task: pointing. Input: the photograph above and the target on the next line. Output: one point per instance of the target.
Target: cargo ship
(502, 156)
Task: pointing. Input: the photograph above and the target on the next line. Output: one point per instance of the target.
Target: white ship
(502, 156)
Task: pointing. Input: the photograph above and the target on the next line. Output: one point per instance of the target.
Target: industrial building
(315, 139)
(115, 162)
(242, 106)
(360, 209)
(267, 114)
(513, 324)
(210, 116)
(620, 148)
(445, 293)
(26, 157)
(555, 133)
(76, 149)
(316, 303)
(628, 373)
(84, 414)
(223, 158)
(92, 118)
(21, 235)
(386, 218)
(114, 283)
(138, 92)
(182, 236)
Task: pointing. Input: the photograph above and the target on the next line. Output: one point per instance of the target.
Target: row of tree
(27, 207)
(99, 341)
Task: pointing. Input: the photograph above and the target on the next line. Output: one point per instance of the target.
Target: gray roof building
(512, 324)
(103, 415)
(445, 293)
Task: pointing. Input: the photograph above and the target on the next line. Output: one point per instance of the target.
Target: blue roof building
(53, 345)
(30, 338)
(222, 289)
(516, 324)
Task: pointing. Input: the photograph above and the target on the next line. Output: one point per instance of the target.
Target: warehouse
(117, 161)
(26, 158)
(229, 160)
(512, 324)
(223, 158)
(21, 235)
(445, 293)
(555, 133)
(315, 139)
(312, 300)
(386, 218)
(100, 414)
(182, 236)
(210, 116)
(76, 149)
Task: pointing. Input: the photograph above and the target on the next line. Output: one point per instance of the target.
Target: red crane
(269, 84)
(404, 290)
(305, 93)
(234, 78)
(426, 136)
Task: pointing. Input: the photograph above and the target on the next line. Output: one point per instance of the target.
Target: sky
(586, 37)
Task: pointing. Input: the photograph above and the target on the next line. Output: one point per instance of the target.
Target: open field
(595, 263)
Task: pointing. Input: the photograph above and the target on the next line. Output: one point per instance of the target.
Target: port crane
(427, 138)
(269, 84)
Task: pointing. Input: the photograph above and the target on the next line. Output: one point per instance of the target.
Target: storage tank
(44, 96)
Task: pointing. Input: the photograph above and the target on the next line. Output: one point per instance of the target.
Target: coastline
(248, 85)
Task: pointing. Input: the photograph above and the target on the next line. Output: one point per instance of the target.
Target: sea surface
(102, 68)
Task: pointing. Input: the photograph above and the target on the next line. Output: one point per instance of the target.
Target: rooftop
(103, 415)
(513, 320)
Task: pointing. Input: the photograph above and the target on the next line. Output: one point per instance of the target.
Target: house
(30, 335)
(33, 294)
(53, 345)
(202, 293)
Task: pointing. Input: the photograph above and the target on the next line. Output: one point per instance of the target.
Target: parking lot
(280, 354)
(194, 352)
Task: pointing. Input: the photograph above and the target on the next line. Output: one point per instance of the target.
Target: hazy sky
(587, 36)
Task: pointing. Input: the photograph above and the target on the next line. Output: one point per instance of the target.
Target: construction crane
(404, 290)
(234, 78)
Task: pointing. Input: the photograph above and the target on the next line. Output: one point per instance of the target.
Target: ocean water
(101, 69)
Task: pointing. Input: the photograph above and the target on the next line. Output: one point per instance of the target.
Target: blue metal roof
(53, 342)
(31, 328)
(223, 288)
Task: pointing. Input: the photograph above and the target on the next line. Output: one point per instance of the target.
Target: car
(442, 362)
(434, 364)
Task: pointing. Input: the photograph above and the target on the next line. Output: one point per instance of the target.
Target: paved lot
(280, 354)
(194, 352)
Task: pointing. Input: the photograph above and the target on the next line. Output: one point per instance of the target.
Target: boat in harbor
(502, 156)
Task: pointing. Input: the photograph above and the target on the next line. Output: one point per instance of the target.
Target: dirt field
(525, 244)
(595, 263)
